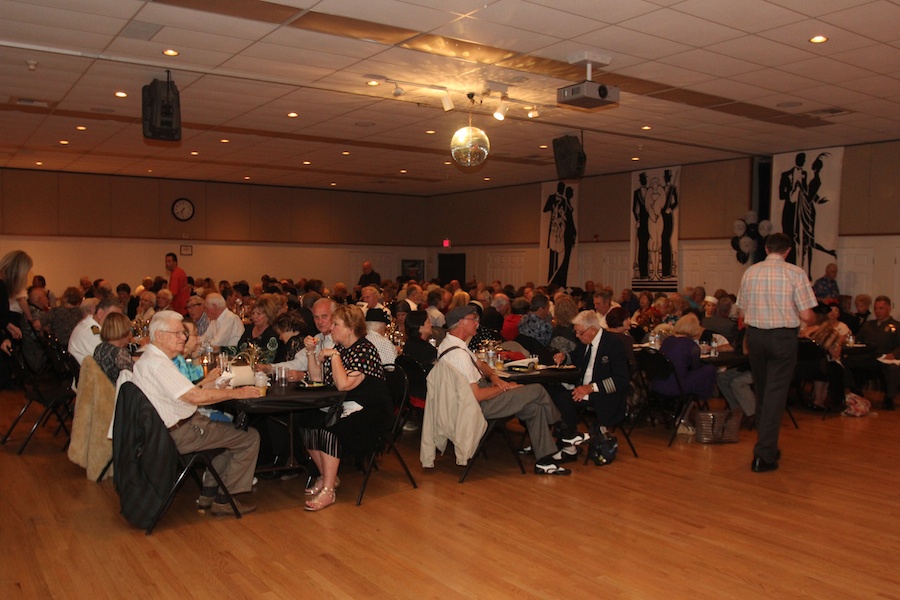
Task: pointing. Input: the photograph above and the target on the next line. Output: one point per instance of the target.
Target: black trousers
(773, 357)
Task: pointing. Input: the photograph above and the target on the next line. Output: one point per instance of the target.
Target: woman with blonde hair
(684, 354)
(460, 298)
(14, 268)
(112, 353)
(352, 366)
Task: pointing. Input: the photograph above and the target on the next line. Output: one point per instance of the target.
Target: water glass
(281, 375)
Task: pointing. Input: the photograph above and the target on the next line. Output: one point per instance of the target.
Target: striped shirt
(773, 293)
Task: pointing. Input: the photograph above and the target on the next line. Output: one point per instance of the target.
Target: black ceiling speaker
(162, 110)
(570, 157)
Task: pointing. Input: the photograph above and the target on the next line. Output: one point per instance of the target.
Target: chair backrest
(809, 351)
(418, 384)
(144, 456)
(654, 364)
(398, 386)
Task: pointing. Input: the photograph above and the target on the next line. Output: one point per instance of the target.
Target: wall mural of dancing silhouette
(559, 213)
(806, 190)
(654, 231)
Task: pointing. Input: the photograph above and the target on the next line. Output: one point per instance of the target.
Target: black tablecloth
(547, 376)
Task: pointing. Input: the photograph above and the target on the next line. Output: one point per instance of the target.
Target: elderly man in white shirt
(176, 400)
(376, 324)
(225, 328)
(497, 397)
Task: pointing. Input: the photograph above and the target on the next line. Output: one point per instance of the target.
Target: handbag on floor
(603, 449)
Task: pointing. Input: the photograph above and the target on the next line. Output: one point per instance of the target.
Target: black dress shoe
(760, 466)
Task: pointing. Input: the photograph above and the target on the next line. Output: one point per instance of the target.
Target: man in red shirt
(178, 284)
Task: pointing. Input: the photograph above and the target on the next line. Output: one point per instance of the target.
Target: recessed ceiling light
(194, 153)
(170, 52)
(635, 158)
(346, 153)
(39, 163)
(224, 141)
(818, 39)
(246, 177)
(81, 128)
(646, 128)
(447, 162)
(534, 113)
(333, 184)
(430, 132)
(487, 178)
(63, 142)
(121, 95)
(543, 146)
(403, 170)
(293, 115)
(306, 162)
(373, 82)
(149, 170)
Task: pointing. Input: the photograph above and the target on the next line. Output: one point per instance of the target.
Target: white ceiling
(715, 79)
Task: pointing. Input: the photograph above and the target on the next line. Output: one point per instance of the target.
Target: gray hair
(587, 319)
(215, 299)
(164, 319)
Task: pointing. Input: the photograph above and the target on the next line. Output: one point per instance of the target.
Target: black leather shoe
(760, 466)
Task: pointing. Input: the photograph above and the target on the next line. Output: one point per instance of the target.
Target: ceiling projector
(587, 94)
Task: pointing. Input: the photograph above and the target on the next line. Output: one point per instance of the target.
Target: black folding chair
(47, 390)
(418, 386)
(498, 424)
(655, 366)
(399, 387)
(136, 422)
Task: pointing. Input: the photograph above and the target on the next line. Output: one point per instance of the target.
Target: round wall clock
(183, 209)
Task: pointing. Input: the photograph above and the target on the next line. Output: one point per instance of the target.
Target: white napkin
(224, 380)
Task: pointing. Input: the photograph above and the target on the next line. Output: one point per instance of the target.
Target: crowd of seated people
(298, 323)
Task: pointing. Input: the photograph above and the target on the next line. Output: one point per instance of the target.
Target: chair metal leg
(15, 422)
(105, 469)
(791, 415)
(494, 424)
(681, 415)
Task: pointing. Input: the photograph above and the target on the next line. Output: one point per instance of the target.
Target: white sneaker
(410, 426)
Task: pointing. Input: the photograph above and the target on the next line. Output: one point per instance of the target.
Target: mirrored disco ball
(470, 146)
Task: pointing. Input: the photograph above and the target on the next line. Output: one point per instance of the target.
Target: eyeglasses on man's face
(183, 332)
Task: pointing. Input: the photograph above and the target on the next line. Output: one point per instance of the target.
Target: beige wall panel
(270, 208)
(134, 207)
(2, 195)
(31, 203)
(884, 202)
(228, 210)
(712, 196)
(84, 202)
(497, 216)
(604, 208)
(856, 190)
(169, 226)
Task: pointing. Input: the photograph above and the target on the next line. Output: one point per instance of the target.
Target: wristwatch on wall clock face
(183, 209)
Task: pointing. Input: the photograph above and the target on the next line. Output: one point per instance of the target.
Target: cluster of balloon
(749, 237)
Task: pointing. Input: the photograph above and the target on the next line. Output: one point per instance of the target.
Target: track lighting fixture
(500, 113)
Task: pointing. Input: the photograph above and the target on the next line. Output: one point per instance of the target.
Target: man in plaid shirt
(775, 297)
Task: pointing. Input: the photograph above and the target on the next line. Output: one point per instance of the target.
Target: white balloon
(747, 245)
(739, 227)
(751, 217)
(765, 227)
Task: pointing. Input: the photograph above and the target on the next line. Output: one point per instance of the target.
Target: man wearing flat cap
(499, 398)
(377, 321)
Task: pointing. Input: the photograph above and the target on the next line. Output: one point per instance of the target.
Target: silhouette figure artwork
(801, 196)
(562, 234)
(654, 206)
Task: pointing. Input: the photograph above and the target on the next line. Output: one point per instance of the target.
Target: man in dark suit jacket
(604, 382)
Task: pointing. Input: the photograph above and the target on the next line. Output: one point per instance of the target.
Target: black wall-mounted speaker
(570, 157)
(161, 111)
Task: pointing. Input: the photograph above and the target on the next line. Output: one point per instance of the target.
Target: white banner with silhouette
(559, 238)
(654, 229)
(806, 203)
